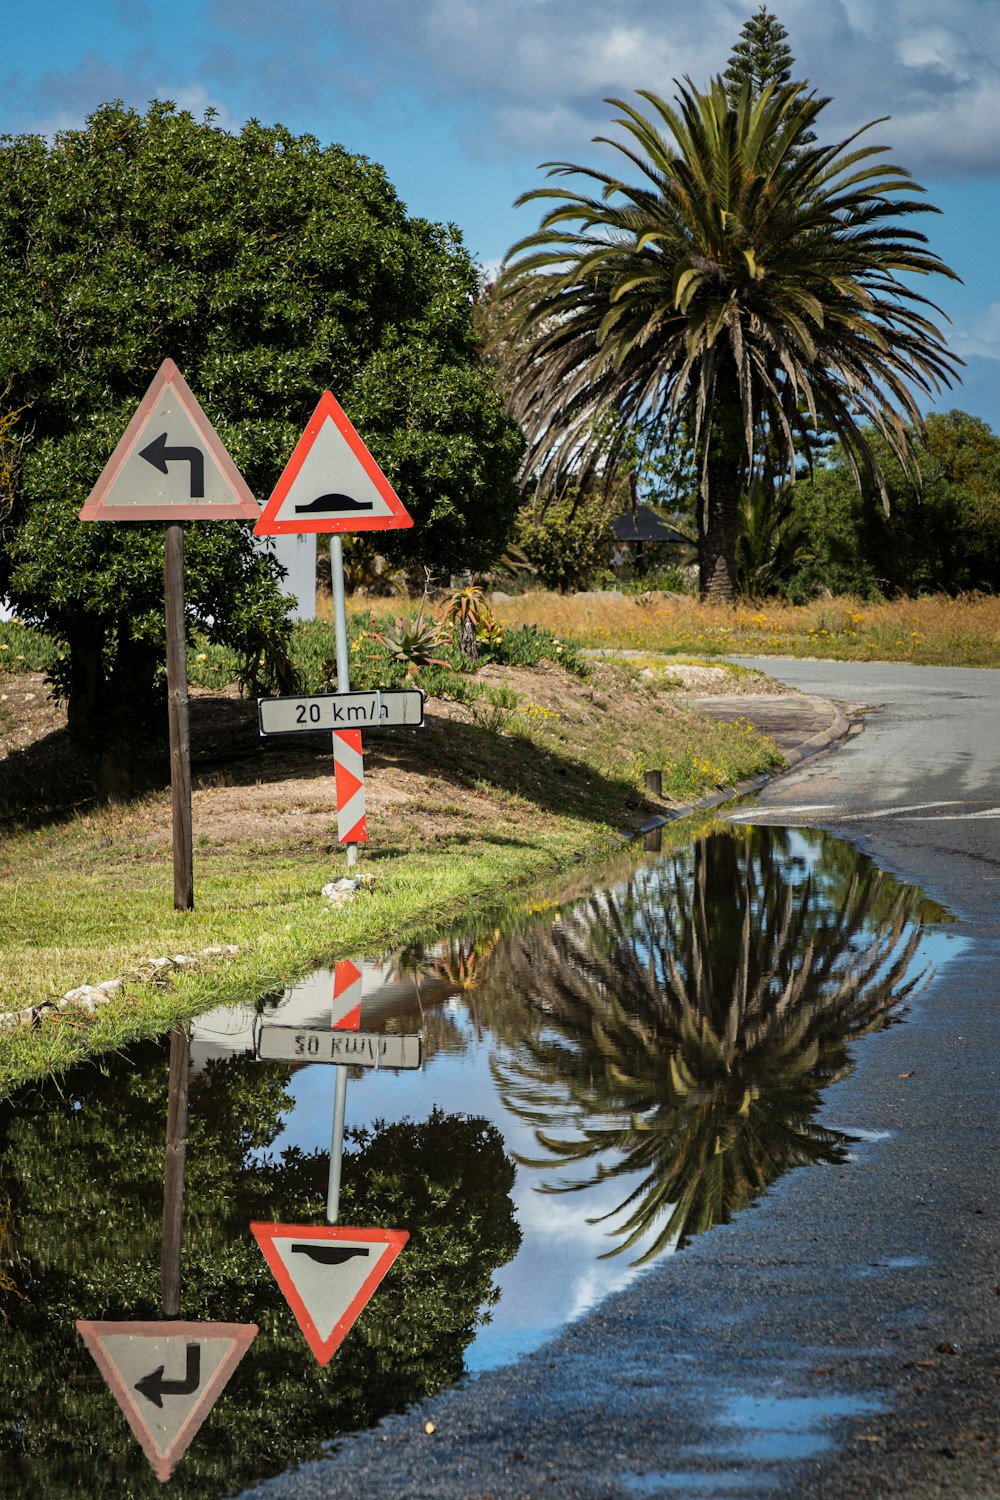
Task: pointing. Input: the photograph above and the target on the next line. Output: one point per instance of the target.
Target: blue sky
(460, 100)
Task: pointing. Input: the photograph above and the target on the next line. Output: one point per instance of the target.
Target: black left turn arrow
(154, 1387)
(159, 455)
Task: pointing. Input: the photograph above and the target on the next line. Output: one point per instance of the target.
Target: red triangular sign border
(329, 407)
(163, 1463)
(244, 506)
(266, 1234)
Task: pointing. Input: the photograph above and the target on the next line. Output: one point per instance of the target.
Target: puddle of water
(608, 1074)
(694, 1482)
(775, 1428)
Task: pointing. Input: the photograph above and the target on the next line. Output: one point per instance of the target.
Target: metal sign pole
(177, 711)
(336, 1147)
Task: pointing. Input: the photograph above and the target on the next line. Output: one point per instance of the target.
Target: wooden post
(177, 710)
(654, 782)
(173, 1171)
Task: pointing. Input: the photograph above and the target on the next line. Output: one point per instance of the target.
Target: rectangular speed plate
(378, 708)
(353, 1049)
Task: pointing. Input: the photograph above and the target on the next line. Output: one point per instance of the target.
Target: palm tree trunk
(718, 516)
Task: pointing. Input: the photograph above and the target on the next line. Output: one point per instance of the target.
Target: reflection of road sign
(327, 1273)
(166, 1377)
(354, 1049)
(379, 708)
(170, 464)
(349, 780)
(331, 482)
(346, 996)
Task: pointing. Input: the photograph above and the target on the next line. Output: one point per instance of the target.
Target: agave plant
(685, 1024)
(412, 641)
(467, 618)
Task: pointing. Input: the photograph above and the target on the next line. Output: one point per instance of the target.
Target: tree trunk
(718, 517)
(86, 684)
(112, 713)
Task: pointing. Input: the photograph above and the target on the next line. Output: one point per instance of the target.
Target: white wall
(298, 555)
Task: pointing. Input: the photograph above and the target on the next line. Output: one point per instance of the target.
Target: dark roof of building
(641, 525)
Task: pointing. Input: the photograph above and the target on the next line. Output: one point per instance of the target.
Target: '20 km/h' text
(377, 708)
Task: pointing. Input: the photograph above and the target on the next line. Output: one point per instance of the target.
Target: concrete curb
(824, 739)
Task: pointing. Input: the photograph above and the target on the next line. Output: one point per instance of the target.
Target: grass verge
(488, 799)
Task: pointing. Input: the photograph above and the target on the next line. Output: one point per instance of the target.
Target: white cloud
(539, 69)
(979, 334)
(73, 95)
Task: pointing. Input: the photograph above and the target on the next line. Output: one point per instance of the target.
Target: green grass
(25, 650)
(69, 926)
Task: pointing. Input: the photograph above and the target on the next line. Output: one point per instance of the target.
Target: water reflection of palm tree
(684, 1023)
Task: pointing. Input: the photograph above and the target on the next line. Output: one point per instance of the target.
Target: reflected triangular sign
(327, 1273)
(331, 483)
(170, 464)
(166, 1377)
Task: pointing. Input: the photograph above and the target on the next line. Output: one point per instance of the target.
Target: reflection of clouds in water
(662, 1042)
(556, 1275)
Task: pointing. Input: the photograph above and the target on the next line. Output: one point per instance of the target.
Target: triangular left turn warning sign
(166, 1377)
(328, 1273)
(170, 464)
(331, 483)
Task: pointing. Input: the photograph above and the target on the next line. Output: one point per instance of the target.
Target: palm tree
(750, 276)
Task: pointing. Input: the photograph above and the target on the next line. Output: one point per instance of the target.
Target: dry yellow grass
(933, 631)
(937, 630)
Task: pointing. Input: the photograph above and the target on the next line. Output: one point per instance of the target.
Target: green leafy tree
(269, 267)
(568, 540)
(942, 530)
(748, 274)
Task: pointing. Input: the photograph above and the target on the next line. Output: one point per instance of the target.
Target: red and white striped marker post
(349, 769)
(349, 775)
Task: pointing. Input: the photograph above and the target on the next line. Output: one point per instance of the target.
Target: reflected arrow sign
(165, 1412)
(159, 455)
(154, 1387)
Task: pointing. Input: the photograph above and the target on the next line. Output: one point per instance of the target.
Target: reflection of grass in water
(684, 1024)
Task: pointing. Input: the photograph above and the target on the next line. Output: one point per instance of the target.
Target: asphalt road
(841, 1338)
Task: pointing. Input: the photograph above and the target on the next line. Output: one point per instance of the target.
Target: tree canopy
(269, 267)
(942, 530)
(750, 279)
